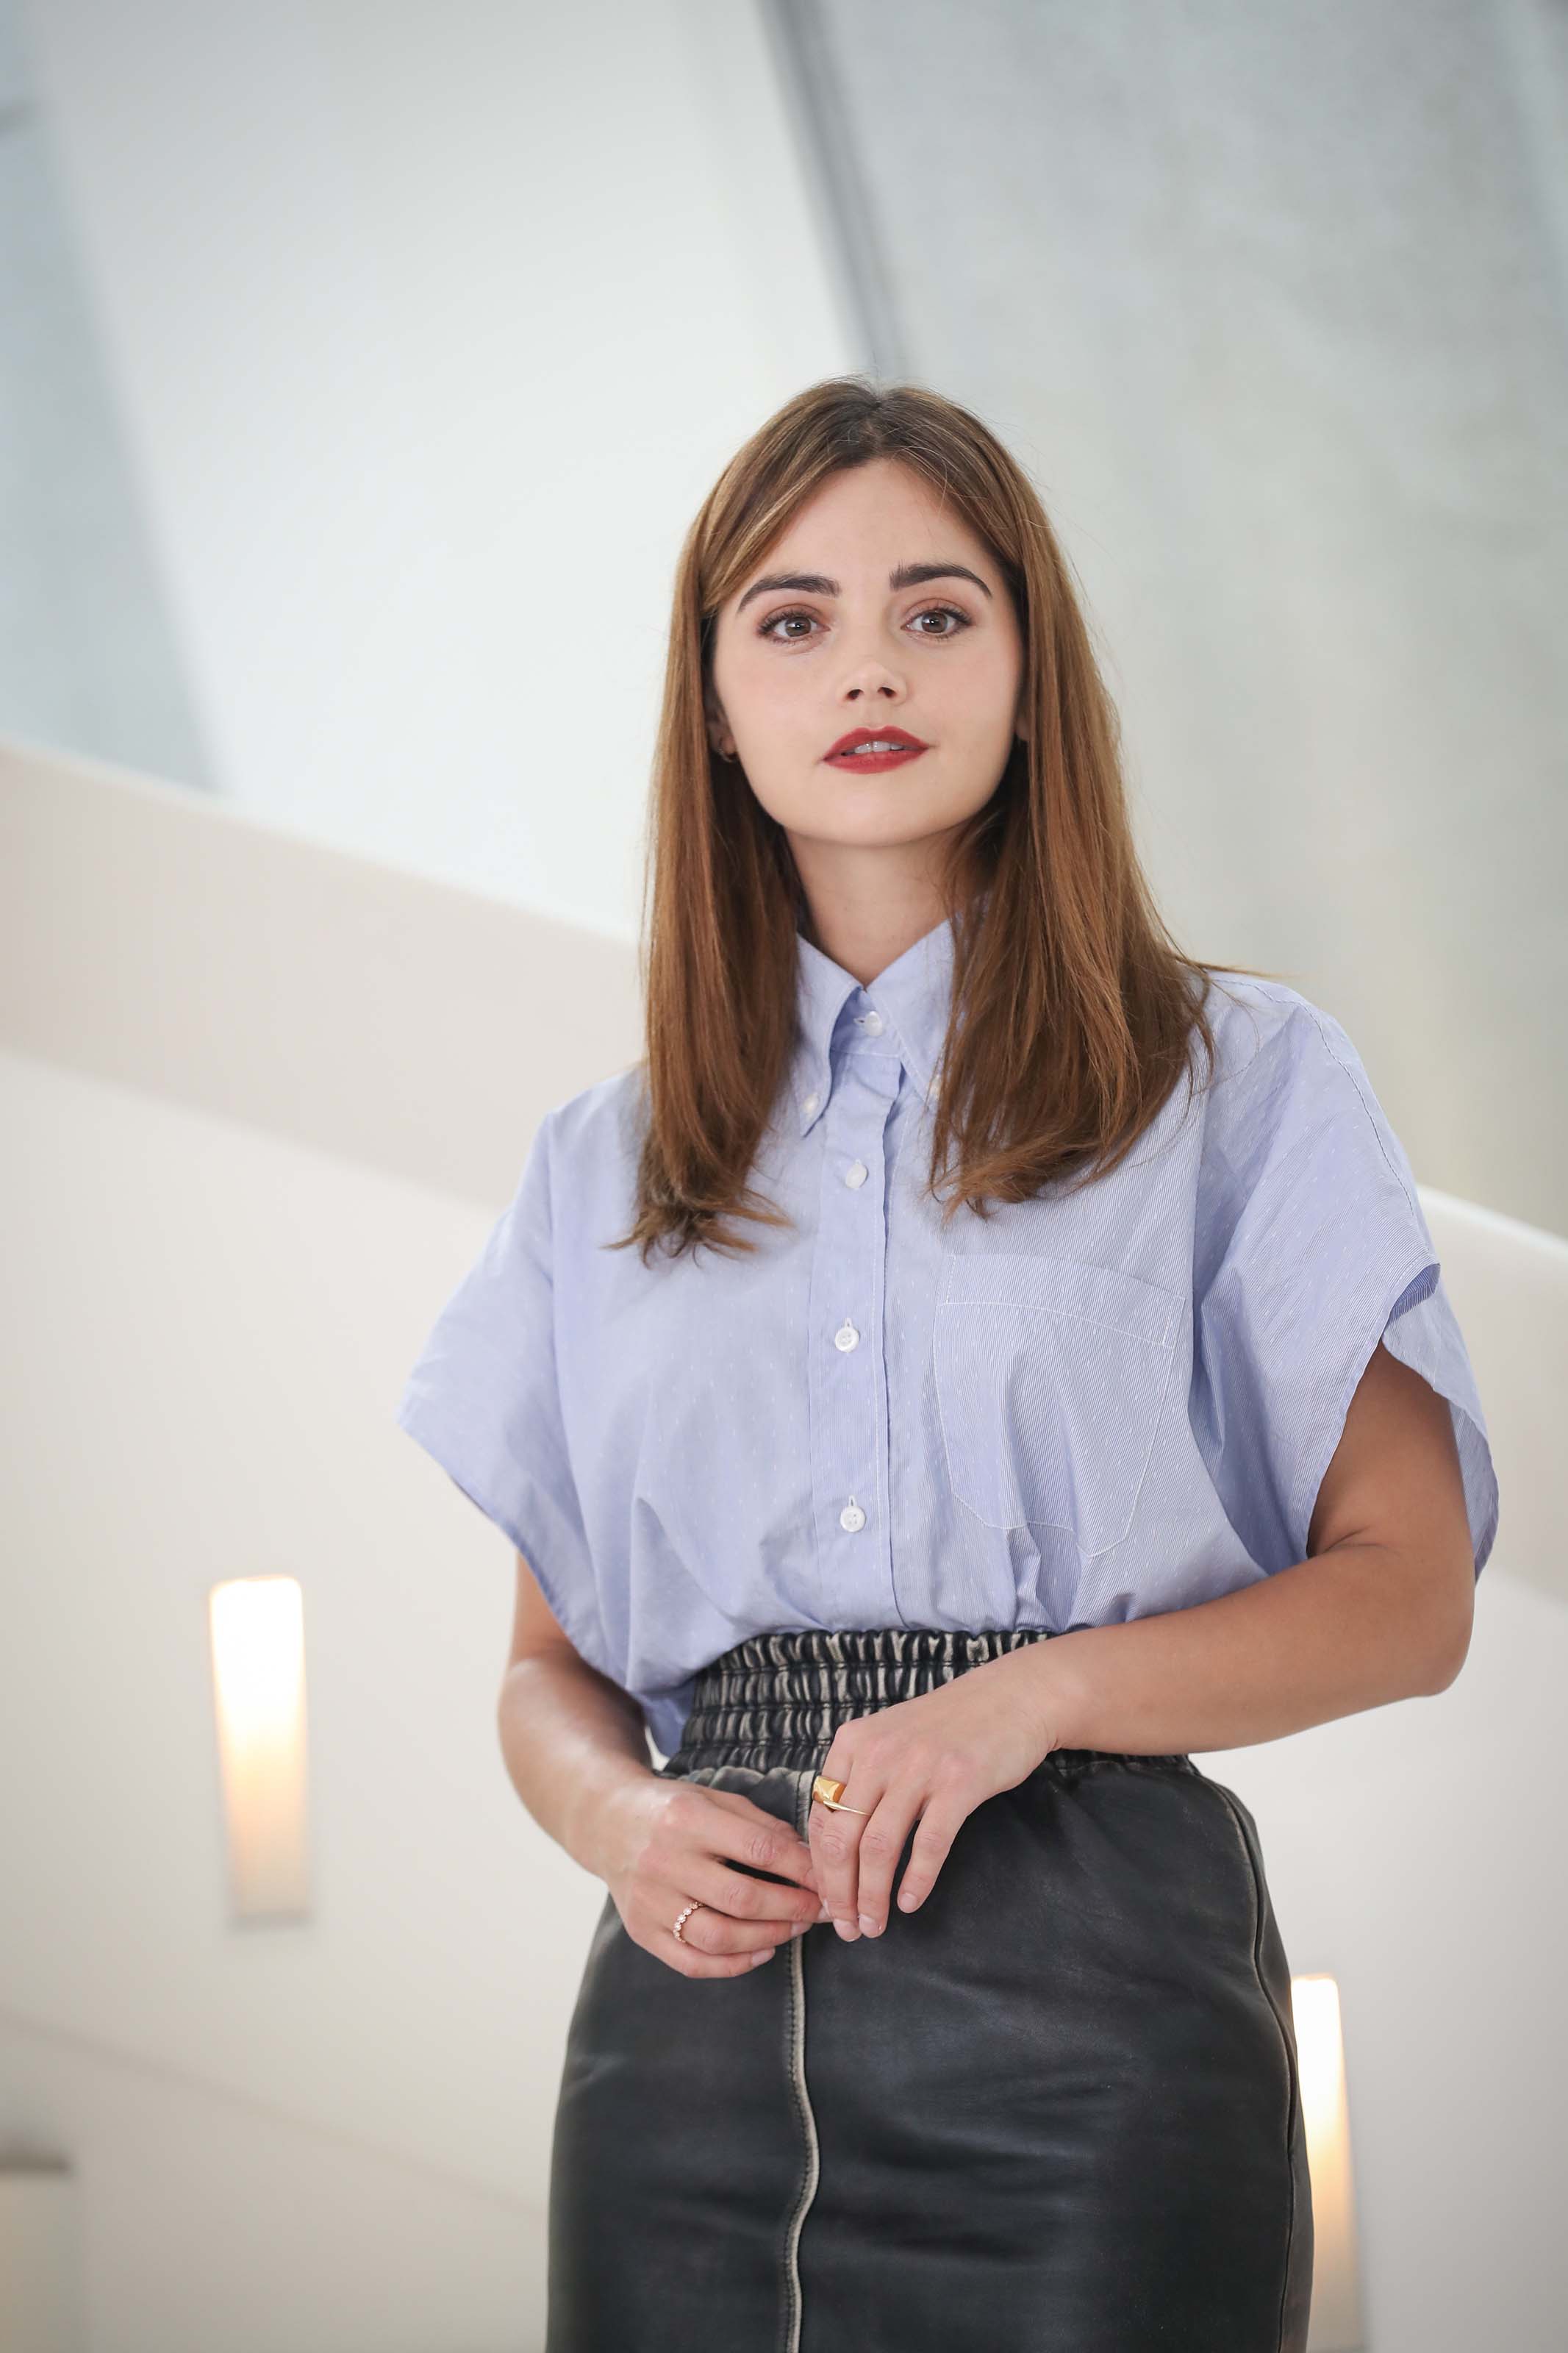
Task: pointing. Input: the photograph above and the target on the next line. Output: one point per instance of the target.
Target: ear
(719, 735)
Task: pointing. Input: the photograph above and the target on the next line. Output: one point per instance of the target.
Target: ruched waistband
(778, 1699)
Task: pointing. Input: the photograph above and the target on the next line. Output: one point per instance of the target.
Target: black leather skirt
(1055, 2110)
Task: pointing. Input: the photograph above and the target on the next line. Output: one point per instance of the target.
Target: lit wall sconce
(257, 1627)
(1336, 2324)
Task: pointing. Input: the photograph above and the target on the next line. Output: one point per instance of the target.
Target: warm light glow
(1336, 2323)
(257, 1627)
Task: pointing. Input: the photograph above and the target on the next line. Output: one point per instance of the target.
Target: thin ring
(679, 1931)
(825, 1791)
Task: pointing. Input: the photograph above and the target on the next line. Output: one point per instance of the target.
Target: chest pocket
(1051, 1378)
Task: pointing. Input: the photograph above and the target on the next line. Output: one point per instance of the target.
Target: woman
(1066, 1408)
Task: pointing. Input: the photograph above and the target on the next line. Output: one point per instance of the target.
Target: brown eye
(768, 626)
(961, 621)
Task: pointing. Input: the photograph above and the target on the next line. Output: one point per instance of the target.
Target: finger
(741, 1898)
(882, 1837)
(745, 1833)
(835, 1839)
(687, 1963)
(711, 1932)
(939, 1826)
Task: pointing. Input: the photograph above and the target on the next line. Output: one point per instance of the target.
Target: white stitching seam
(1228, 1799)
(790, 2339)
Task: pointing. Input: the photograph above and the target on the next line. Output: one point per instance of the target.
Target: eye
(767, 628)
(931, 612)
(926, 613)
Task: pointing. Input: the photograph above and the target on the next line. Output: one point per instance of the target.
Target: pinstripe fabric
(1079, 1409)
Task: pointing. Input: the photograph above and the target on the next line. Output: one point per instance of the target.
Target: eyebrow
(816, 584)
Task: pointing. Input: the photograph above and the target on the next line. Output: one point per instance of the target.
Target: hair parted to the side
(1073, 1011)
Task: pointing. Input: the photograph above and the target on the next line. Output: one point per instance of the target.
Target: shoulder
(582, 1167)
(1270, 1042)
(1269, 1028)
(1286, 1073)
(599, 1124)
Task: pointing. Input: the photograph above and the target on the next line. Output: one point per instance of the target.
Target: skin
(1379, 1610)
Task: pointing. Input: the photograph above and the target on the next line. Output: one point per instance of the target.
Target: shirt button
(852, 1517)
(874, 1025)
(846, 1336)
(856, 1173)
(809, 1105)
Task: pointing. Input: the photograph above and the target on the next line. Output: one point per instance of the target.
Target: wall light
(1336, 2324)
(257, 1627)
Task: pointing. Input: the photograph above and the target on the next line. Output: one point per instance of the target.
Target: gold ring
(830, 1793)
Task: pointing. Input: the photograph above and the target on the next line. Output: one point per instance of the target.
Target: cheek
(977, 699)
(775, 701)
(782, 732)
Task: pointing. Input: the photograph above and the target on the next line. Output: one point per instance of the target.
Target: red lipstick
(906, 747)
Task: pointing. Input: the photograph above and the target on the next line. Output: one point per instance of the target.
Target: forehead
(880, 500)
(860, 526)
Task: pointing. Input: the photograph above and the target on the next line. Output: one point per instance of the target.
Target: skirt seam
(1257, 1917)
(793, 2312)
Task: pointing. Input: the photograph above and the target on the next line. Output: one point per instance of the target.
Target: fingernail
(847, 1930)
(867, 1928)
(800, 1928)
(823, 1915)
(758, 1959)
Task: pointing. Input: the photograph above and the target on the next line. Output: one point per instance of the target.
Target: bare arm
(1379, 1610)
(578, 1757)
(571, 1738)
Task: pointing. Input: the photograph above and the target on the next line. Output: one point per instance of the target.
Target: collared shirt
(1081, 1409)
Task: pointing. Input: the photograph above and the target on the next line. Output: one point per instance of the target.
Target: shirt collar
(911, 996)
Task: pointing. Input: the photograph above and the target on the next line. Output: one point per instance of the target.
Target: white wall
(1273, 299)
(298, 2140)
(424, 330)
(430, 328)
(88, 656)
(291, 2137)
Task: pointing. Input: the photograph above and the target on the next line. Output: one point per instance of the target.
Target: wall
(428, 329)
(1273, 301)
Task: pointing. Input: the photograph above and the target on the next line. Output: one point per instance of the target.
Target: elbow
(1447, 1651)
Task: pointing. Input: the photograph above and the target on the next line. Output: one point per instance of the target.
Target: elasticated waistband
(778, 1699)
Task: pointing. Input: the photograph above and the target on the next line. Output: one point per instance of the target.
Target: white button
(856, 1173)
(874, 1024)
(852, 1516)
(809, 1105)
(846, 1336)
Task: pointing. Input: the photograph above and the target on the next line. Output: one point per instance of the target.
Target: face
(830, 636)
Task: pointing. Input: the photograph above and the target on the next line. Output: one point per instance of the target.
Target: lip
(874, 762)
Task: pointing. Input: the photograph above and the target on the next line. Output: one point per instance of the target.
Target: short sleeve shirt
(1093, 1405)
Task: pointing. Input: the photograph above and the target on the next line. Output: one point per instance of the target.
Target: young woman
(980, 1355)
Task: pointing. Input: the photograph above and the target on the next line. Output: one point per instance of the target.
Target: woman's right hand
(661, 1843)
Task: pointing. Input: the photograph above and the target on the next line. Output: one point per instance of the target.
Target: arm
(577, 1755)
(1379, 1610)
(572, 1740)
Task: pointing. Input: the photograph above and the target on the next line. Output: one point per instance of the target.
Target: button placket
(848, 1381)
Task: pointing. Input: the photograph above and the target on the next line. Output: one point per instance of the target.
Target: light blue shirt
(1080, 1409)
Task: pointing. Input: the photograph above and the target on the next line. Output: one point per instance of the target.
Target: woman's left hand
(930, 1760)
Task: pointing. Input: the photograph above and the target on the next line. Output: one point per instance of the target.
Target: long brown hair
(1072, 1009)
